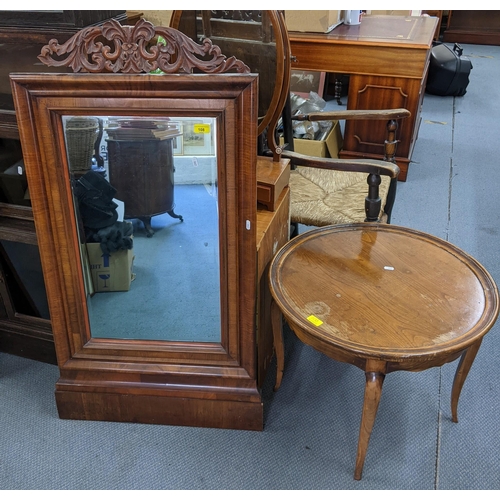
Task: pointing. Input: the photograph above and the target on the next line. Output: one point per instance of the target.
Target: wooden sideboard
(473, 26)
(25, 326)
(387, 58)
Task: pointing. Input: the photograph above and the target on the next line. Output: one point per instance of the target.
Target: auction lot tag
(201, 128)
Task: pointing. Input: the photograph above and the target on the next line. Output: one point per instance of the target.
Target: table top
(383, 291)
(417, 31)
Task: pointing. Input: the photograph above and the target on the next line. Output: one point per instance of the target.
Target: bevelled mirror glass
(132, 178)
(156, 238)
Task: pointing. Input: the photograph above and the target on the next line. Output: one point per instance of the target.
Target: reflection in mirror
(151, 267)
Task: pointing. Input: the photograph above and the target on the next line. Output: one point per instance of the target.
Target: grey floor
(311, 423)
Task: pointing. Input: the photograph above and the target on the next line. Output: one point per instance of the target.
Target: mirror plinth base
(239, 413)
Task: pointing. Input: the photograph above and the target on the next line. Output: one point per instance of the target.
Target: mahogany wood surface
(387, 58)
(272, 178)
(22, 35)
(383, 298)
(22, 26)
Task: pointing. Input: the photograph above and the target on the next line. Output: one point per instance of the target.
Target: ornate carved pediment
(137, 49)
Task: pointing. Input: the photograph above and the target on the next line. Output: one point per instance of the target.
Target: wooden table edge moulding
(383, 298)
(387, 58)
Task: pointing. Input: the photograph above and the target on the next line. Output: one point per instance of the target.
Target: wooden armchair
(326, 191)
(323, 190)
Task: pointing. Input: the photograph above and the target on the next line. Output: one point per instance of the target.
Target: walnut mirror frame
(210, 384)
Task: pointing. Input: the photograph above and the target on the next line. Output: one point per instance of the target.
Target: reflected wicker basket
(81, 135)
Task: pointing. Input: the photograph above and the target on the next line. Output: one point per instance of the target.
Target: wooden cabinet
(144, 180)
(57, 20)
(25, 326)
(24, 33)
(387, 58)
(272, 233)
(473, 26)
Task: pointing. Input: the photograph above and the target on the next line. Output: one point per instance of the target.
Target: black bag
(95, 200)
(448, 71)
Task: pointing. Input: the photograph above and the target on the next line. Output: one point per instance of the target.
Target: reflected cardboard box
(109, 272)
(327, 148)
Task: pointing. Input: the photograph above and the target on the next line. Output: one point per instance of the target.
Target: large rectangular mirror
(144, 196)
(126, 185)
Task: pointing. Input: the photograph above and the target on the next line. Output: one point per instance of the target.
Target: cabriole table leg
(463, 368)
(375, 375)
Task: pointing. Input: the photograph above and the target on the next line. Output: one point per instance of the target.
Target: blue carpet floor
(311, 423)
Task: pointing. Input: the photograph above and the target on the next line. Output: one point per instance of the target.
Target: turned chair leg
(373, 202)
(338, 91)
(463, 369)
(390, 144)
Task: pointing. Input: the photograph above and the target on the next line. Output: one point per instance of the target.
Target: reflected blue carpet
(175, 294)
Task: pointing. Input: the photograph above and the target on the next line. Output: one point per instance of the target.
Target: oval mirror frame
(279, 36)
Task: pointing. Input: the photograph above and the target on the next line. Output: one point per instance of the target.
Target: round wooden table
(383, 298)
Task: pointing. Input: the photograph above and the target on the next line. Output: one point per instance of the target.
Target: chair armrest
(377, 167)
(355, 114)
